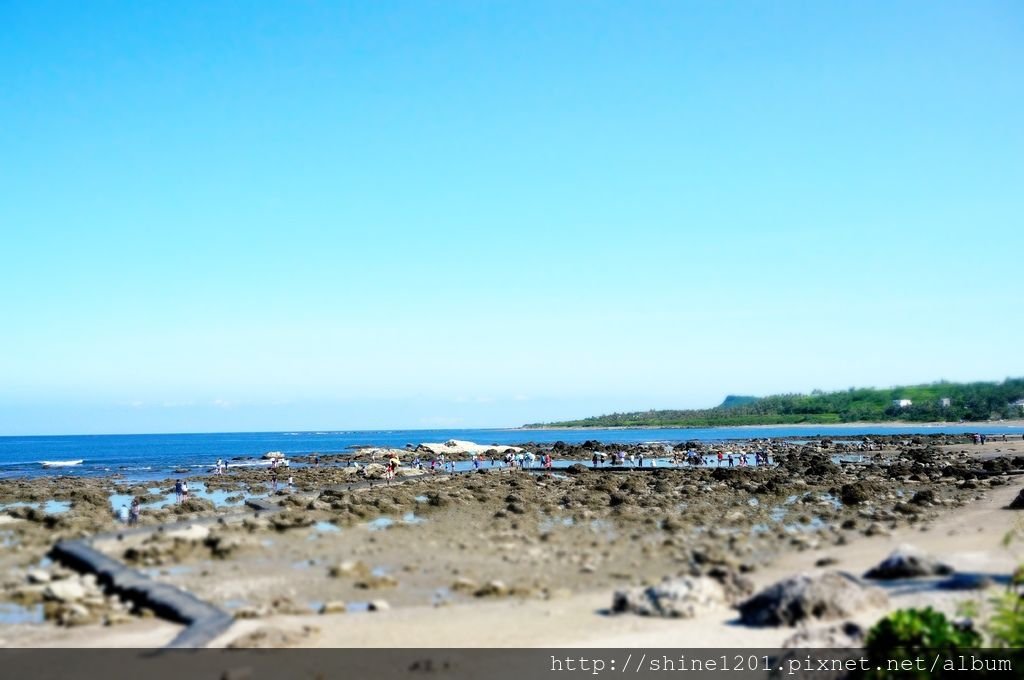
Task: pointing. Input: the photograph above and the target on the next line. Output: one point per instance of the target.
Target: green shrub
(910, 629)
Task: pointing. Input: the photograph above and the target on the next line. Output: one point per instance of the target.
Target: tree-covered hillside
(935, 402)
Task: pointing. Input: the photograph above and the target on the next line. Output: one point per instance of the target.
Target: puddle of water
(357, 606)
(8, 539)
(325, 527)
(753, 502)
(421, 499)
(235, 604)
(836, 503)
(547, 523)
(797, 527)
(49, 507)
(219, 497)
(387, 522)
(267, 542)
(12, 614)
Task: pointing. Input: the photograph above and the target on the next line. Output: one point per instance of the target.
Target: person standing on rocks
(177, 491)
(134, 512)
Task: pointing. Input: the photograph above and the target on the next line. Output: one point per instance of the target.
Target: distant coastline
(934, 403)
(888, 425)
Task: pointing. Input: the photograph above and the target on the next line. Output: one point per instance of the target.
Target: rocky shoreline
(346, 541)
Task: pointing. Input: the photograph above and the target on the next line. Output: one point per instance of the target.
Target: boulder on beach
(1018, 502)
(681, 598)
(908, 562)
(839, 636)
(827, 596)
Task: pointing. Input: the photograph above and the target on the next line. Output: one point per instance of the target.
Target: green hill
(934, 402)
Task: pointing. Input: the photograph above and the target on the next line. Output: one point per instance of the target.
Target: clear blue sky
(253, 216)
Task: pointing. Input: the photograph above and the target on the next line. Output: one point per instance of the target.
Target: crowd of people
(678, 458)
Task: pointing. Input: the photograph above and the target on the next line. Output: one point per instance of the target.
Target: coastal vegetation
(933, 402)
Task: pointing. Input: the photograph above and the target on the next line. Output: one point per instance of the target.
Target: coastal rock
(223, 546)
(269, 638)
(378, 606)
(375, 581)
(676, 598)
(857, 493)
(1018, 502)
(464, 585)
(832, 595)
(349, 568)
(333, 607)
(193, 504)
(38, 576)
(924, 497)
(27, 594)
(71, 614)
(64, 591)
(493, 589)
(908, 562)
(457, 446)
(88, 497)
(839, 636)
(374, 471)
(734, 585)
(291, 519)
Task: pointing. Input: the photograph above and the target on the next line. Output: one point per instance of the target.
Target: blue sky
(262, 216)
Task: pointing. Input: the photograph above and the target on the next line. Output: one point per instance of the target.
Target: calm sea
(155, 456)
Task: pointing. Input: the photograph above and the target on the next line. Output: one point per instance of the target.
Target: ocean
(156, 456)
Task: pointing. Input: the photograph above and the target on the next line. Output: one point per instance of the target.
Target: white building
(945, 402)
(902, 403)
(1018, 404)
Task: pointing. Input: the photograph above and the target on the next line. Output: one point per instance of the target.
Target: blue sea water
(156, 456)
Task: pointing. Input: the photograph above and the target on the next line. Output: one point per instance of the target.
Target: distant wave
(60, 463)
